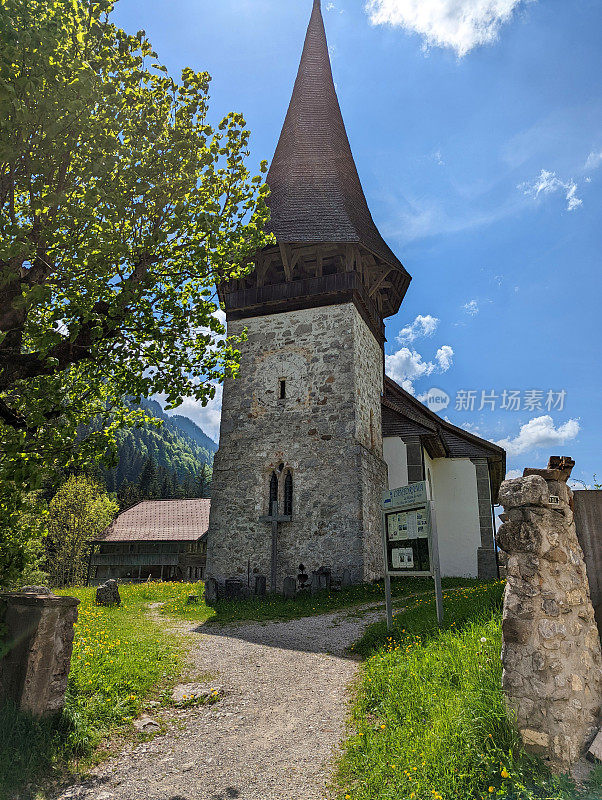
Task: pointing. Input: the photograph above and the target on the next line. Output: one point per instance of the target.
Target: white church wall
(454, 490)
(395, 454)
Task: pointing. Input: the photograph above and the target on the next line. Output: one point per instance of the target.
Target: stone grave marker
(107, 594)
(289, 588)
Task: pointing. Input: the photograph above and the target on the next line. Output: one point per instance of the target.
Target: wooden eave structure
(328, 249)
(405, 416)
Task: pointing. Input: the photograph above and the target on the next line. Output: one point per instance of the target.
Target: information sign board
(410, 538)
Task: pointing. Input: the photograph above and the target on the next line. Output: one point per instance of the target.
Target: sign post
(410, 543)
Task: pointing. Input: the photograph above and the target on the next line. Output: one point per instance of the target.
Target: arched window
(273, 491)
(288, 494)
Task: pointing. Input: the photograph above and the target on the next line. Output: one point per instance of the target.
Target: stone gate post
(551, 648)
(35, 649)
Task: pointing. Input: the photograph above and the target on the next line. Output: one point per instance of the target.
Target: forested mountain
(173, 460)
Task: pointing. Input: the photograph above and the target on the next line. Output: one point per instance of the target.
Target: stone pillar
(486, 555)
(415, 459)
(36, 647)
(551, 649)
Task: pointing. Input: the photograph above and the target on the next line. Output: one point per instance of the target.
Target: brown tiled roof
(160, 520)
(316, 194)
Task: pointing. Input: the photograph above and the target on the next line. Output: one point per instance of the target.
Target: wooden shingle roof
(316, 194)
(404, 414)
(160, 521)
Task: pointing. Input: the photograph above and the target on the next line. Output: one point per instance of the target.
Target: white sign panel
(408, 525)
(403, 558)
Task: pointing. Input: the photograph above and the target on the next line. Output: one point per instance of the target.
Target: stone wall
(327, 432)
(551, 649)
(37, 642)
(486, 554)
(588, 521)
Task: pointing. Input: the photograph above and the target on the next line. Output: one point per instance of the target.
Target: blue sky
(477, 130)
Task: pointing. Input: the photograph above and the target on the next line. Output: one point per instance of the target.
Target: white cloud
(439, 158)
(540, 433)
(458, 24)
(208, 417)
(406, 366)
(444, 357)
(594, 160)
(469, 426)
(220, 316)
(549, 183)
(514, 473)
(576, 485)
(422, 326)
(471, 308)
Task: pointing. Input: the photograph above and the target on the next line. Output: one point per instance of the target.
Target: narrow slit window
(273, 491)
(282, 388)
(288, 495)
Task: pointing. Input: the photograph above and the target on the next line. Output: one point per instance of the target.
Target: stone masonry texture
(551, 648)
(327, 432)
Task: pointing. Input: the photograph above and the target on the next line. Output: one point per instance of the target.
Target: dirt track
(272, 736)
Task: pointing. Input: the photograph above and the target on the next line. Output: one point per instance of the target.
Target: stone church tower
(302, 422)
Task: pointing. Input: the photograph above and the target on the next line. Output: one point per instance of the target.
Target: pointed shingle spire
(316, 194)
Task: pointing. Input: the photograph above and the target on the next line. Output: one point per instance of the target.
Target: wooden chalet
(153, 540)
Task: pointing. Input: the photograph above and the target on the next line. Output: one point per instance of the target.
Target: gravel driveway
(271, 737)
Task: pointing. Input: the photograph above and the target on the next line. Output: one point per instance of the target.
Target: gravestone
(321, 579)
(235, 590)
(289, 588)
(551, 654)
(38, 632)
(260, 585)
(211, 591)
(107, 594)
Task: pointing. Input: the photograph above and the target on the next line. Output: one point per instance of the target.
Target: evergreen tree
(148, 478)
(167, 487)
(203, 481)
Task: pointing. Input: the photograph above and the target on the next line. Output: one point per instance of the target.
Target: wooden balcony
(326, 290)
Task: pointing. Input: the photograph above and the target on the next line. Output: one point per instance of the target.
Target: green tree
(203, 481)
(23, 520)
(148, 483)
(128, 495)
(78, 513)
(121, 207)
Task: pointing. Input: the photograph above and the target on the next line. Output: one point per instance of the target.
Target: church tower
(301, 424)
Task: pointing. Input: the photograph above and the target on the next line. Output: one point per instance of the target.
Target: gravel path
(272, 736)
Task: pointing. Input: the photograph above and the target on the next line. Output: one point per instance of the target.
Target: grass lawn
(121, 660)
(429, 719)
(304, 605)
